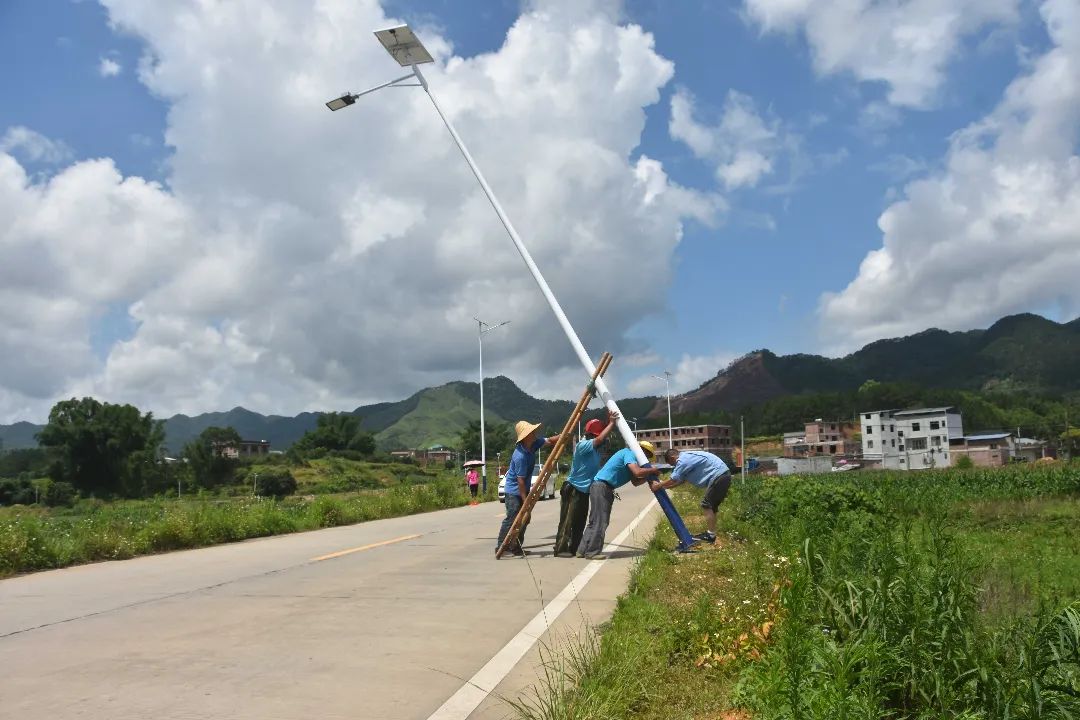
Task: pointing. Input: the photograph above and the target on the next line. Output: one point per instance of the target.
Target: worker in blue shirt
(519, 479)
(621, 468)
(574, 506)
(704, 470)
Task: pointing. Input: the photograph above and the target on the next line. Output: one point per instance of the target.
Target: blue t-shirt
(616, 471)
(698, 467)
(585, 466)
(522, 463)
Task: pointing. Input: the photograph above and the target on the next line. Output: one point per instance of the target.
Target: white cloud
(689, 373)
(906, 44)
(34, 147)
(997, 229)
(109, 67)
(301, 258)
(742, 144)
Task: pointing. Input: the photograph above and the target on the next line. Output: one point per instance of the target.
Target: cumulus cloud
(742, 143)
(34, 147)
(905, 44)
(689, 373)
(997, 229)
(109, 67)
(300, 258)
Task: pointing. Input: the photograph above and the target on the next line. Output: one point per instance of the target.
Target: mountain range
(1020, 353)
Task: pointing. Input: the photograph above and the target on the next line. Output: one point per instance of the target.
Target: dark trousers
(472, 489)
(513, 504)
(573, 512)
(601, 498)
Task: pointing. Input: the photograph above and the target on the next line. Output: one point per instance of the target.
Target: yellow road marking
(350, 551)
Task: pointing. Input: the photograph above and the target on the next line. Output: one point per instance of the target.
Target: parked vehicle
(549, 489)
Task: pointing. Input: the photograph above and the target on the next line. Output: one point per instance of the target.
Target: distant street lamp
(482, 328)
(667, 391)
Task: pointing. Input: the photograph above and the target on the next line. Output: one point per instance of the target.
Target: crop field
(938, 594)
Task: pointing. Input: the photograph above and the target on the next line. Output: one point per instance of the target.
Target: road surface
(404, 618)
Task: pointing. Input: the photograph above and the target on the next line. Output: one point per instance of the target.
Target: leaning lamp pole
(408, 51)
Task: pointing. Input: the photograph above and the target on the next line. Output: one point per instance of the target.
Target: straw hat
(523, 428)
(647, 448)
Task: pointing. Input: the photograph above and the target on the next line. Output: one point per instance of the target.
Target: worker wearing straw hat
(621, 468)
(519, 478)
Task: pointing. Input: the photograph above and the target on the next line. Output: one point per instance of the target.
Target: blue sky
(849, 128)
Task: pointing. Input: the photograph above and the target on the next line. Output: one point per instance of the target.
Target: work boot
(706, 537)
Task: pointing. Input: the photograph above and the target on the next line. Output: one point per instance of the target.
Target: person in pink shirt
(473, 478)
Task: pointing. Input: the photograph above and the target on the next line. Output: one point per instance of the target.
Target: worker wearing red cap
(574, 509)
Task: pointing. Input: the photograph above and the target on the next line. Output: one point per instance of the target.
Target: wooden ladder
(549, 464)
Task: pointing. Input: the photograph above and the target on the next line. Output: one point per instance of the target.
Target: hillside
(1025, 353)
(1019, 353)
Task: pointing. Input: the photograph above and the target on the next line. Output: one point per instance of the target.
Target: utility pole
(742, 451)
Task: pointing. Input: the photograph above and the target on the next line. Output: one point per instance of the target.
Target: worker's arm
(521, 491)
(640, 475)
(612, 419)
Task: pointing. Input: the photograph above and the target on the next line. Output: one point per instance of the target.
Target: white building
(911, 439)
(879, 446)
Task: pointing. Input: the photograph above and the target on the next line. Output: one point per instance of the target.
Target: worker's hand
(612, 417)
(655, 485)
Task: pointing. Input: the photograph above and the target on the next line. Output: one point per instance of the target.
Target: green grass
(34, 538)
(900, 595)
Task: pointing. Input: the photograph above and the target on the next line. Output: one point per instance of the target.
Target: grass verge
(38, 539)
(923, 595)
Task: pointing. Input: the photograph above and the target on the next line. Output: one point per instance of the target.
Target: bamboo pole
(553, 456)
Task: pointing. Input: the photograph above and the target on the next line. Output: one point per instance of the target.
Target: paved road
(385, 619)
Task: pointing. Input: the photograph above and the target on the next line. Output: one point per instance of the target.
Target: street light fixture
(667, 391)
(482, 328)
(408, 51)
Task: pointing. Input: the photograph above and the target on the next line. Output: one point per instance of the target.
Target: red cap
(594, 427)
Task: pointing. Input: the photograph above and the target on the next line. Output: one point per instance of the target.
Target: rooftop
(988, 436)
(923, 411)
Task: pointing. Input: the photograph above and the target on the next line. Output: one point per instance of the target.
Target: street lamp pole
(667, 392)
(407, 50)
(481, 329)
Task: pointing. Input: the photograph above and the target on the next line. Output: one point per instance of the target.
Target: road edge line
(477, 688)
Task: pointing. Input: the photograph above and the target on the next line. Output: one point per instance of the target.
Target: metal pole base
(686, 541)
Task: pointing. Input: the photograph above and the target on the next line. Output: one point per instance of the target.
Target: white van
(549, 489)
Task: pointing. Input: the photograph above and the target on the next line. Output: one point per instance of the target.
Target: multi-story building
(245, 448)
(910, 439)
(711, 438)
(879, 446)
(834, 437)
(795, 444)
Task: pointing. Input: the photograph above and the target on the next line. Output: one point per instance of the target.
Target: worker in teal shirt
(621, 468)
(574, 506)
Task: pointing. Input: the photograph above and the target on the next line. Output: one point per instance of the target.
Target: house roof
(923, 411)
(988, 436)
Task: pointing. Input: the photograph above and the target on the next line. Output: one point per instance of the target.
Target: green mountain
(1019, 355)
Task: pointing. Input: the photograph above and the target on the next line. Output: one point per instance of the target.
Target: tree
(1070, 442)
(275, 482)
(101, 448)
(498, 436)
(206, 456)
(337, 431)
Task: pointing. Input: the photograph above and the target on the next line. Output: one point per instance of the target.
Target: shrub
(964, 463)
(276, 482)
(60, 494)
(16, 492)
